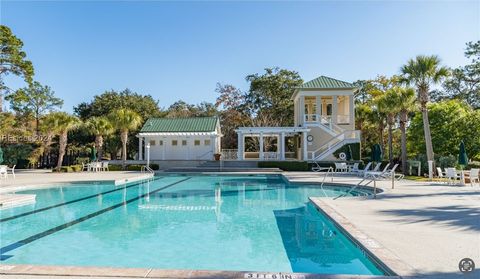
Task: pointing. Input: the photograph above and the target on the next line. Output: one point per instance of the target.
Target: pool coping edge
(376, 251)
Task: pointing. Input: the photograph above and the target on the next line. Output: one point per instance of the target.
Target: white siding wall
(168, 151)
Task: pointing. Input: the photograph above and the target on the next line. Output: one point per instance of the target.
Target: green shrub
(473, 165)
(134, 167)
(447, 161)
(66, 169)
(285, 165)
(154, 166)
(115, 167)
(76, 168)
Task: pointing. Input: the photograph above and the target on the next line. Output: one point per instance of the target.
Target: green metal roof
(323, 82)
(191, 124)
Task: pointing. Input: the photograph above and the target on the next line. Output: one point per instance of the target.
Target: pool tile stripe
(68, 202)
(37, 236)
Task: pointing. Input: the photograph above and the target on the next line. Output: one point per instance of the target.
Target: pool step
(14, 200)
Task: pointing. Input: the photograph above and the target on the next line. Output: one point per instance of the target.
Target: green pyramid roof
(177, 125)
(323, 82)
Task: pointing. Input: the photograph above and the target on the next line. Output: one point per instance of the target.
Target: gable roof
(178, 125)
(323, 82)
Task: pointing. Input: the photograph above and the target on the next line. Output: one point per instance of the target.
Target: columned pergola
(279, 132)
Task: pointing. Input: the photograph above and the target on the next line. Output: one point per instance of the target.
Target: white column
(304, 146)
(335, 110)
(140, 148)
(240, 144)
(282, 145)
(302, 109)
(260, 157)
(319, 106)
(352, 111)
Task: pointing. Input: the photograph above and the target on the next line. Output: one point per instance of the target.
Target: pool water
(253, 223)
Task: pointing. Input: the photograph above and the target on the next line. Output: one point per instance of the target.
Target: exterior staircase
(340, 138)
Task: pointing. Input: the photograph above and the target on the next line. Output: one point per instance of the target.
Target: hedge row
(78, 168)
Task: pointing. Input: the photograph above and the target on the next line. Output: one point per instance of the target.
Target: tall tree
(12, 60)
(229, 100)
(270, 93)
(464, 83)
(125, 120)
(388, 105)
(110, 101)
(183, 109)
(99, 127)
(423, 72)
(35, 100)
(61, 123)
(406, 105)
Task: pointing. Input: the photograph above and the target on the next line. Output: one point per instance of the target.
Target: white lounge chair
(318, 168)
(354, 168)
(375, 169)
(12, 170)
(85, 167)
(474, 176)
(3, 172)
(367, 167)
(452, 175)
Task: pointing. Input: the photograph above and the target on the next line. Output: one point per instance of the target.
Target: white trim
(149, 134)
(271, 130)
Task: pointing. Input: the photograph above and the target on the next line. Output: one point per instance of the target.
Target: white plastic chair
(452, 175)
(474, 176)
(85, 167)
(12, 170)
(105, 166)
(355, 168)
(441, 174)
(3, 172)
(341, 167)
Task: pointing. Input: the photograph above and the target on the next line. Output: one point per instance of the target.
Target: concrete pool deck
(427, 227)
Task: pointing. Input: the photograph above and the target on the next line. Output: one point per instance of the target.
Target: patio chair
(3, 172)
(375, 169)
(85, 167)
(474, 176)
(12, 170)
(318, 168)
(105, 166)
(440, 174)
(341, 167)
(354, 168)
(367, 167)
(452, 175)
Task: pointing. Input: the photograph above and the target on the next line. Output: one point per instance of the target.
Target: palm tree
(406, 103)
(388, 105)
(125, 120)
(424, 71)
(100, 127)
(61, 123)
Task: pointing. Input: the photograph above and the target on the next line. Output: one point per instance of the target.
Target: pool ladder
(329, 171)
(148, 169)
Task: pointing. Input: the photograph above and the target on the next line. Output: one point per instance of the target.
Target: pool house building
(324, 121)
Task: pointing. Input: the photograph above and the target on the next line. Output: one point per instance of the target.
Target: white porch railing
(229, 154)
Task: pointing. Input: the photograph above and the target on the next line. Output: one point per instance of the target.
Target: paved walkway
(428, 226)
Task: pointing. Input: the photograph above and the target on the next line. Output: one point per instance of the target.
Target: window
(196, 142)
(152, 142)
(160, 142)
(174, 142)
(207, 142)
(184, 142)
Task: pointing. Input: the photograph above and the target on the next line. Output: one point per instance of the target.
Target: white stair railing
(145, 169)
(334, 143)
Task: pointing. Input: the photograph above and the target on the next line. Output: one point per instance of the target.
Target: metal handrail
(325, 177)
(147, 169)
(357, 185)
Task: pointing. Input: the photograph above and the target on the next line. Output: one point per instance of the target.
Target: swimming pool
(255, 223)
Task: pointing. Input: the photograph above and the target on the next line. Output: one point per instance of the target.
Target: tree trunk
(37, 125)
(381, 128)
(1, 101)
(124, 138)
(62, 148)
(99, 146)
(403, 121)
(390, 143)
(428, 136)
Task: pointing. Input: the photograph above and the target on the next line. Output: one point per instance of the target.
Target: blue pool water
(255, 223)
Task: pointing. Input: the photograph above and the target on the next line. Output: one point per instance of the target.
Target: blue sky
(180, 50)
